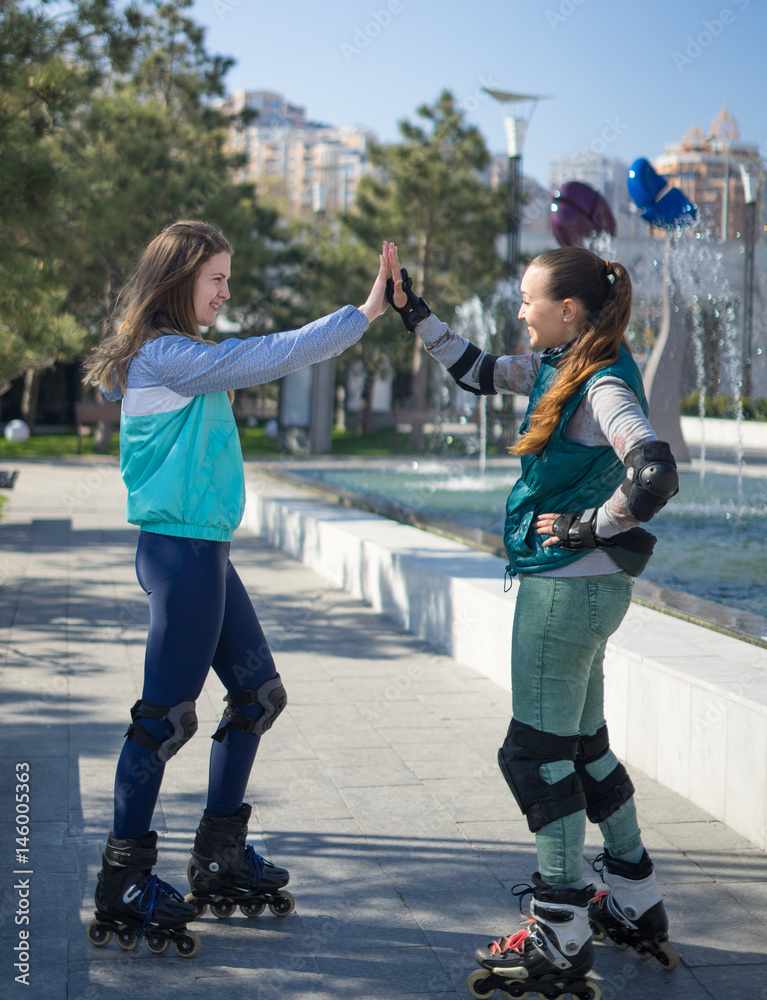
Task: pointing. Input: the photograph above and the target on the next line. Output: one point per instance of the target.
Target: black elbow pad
(655, 479)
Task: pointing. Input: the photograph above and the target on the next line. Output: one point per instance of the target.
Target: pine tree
(111, 128)
(38, 90)
(427, 195)
(150, 149)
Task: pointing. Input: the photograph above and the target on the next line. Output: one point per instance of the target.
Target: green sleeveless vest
(564, 476)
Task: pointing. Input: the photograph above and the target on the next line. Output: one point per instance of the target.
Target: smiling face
(550, 323)
(211, 288)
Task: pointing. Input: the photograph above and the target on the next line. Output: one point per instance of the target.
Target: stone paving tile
(397, 972)
(749, 865)
(710, 835)
(378, 789)
(655, 811)
(745, 982)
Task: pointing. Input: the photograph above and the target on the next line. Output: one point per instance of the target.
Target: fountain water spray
(477, 323)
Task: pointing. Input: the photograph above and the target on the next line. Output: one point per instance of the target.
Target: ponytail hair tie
(609, 273)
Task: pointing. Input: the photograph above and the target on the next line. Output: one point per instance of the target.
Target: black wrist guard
(578, 531)
(631, 550)
(415, 309)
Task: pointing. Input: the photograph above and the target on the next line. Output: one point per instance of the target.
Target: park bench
(97, 416)
(420, 422)
(412, 422)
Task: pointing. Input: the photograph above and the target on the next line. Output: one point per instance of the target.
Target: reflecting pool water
(711, 537)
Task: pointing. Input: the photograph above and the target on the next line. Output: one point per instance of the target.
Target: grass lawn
(50, 446)
(255, 444)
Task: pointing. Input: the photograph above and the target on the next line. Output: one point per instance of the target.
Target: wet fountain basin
(710, 537)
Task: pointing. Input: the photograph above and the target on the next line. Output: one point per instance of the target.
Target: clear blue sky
(645, 72)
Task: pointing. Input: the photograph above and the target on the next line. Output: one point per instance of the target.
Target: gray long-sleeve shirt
(191, 368)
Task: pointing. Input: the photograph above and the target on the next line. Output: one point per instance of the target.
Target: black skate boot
(552, 956)
(631, 911)
(131, 902)
(225, 872)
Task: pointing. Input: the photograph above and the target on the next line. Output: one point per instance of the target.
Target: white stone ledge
(724, 433)
(686, 705)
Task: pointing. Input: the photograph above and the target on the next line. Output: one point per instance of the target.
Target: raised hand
(376, 304)
(399, 297)
(399, 292)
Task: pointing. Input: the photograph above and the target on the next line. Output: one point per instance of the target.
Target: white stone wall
(686, 705)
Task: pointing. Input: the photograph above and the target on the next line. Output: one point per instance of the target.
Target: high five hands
(412, 308)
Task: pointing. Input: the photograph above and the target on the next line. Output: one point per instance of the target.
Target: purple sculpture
(578, 212)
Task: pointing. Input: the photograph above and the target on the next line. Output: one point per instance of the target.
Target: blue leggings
(199, 615)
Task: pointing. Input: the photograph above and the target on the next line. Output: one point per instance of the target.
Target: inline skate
(225, 872)
(131, 903)
(552, 956)
(630, 911)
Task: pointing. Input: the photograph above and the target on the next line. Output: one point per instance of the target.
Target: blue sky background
(645, 72)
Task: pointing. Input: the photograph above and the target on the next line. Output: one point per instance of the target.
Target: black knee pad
(520, 758)
(604, 797)
(182, 717)
(271, 696)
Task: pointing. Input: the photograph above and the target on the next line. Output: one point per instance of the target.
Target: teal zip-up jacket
(180, 453)
(564, 476)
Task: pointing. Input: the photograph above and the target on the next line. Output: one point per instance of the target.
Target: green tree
(110, 128)
(48, 69)
(38, 90)
(428, 196)
(333, 267)
(151, 147)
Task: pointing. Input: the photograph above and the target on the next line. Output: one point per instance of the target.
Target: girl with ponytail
(592, 471)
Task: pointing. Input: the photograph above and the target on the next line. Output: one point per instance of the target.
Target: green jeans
(561, 628)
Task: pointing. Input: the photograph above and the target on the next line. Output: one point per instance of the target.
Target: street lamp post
(517, 112)
(750, 192)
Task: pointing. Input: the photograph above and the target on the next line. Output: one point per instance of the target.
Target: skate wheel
(553, 992)
(98, 933)
(126, 937)
(252, 909)
(597, 930)
(222, 907)
(201, 907)
(644, 954)
(187, 946)
(283, 904)
(591, 991)
(515, 991)
(669, 956)
(477, 984)
(157, 943)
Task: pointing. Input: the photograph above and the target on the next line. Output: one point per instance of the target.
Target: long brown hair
(158, 299)
(603, 290)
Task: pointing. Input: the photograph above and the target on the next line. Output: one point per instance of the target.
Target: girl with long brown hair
(592, 472)
(181, 461)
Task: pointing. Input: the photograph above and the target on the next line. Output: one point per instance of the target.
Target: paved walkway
(377, 788)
